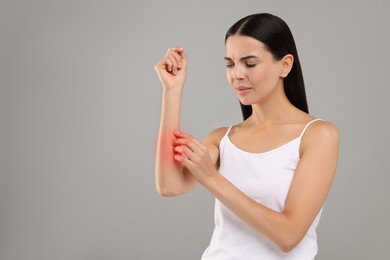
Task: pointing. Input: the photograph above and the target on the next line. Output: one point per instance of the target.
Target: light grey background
(80, 109)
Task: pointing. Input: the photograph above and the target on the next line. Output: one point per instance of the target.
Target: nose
(238, 72)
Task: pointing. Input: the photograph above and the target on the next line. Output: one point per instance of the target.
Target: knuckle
(177, 56)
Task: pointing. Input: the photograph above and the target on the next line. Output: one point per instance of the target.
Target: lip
(243, 90)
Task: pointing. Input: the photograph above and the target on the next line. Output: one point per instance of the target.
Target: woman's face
(251, 69)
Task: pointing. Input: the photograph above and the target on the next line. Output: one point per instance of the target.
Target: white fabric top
(265, 177)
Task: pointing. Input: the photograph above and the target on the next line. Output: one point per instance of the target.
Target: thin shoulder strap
(304, 129)
(227, 132)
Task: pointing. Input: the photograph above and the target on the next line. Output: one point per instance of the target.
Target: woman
(271, 173)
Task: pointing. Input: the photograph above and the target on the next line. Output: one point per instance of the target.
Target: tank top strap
(307, 125)
(227, 132)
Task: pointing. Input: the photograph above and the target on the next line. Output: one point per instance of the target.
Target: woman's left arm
(310, 186)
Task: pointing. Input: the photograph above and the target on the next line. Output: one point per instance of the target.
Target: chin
(246, 102)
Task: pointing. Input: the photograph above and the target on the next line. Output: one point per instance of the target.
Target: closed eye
(248, 65)
(247, 60)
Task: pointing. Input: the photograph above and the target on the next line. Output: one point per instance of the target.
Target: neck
(275, 109)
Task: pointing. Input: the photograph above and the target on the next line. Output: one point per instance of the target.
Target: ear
(287, 63)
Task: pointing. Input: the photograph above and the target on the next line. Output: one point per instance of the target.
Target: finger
(190, 142)
(173, 61)
(178, 149)
(179, 53)
(178, 59)
(184, 142)
(183, 57)
(161, 65)
(178, 133)
(183, 149)
(185, 161)
(175, 49)
(186, 139)
(187, 152)
(167, 64)
(190, 139)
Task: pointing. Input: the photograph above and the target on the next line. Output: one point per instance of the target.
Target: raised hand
(172, 68)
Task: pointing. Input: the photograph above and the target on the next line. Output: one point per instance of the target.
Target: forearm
(277, 226)
(169, 174)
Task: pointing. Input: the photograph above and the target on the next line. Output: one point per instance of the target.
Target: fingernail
(176, 132)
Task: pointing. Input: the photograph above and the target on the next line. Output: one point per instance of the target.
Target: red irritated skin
(166, 149)
(194, 155)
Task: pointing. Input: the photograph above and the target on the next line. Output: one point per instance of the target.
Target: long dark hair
(275, 34)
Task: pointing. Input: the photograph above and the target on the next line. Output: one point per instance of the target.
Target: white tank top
(265, 177)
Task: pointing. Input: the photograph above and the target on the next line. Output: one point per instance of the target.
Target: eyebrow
(243, 58)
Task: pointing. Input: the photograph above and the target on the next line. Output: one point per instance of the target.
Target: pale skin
(189, 163)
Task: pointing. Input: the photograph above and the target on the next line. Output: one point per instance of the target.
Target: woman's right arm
(172, 178)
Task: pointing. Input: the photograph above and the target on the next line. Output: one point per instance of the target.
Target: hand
(172, 68)
(195, 156)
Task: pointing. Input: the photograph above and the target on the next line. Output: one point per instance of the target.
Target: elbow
(163, 189)
(166, 192)
(286, 248)
(289, 244)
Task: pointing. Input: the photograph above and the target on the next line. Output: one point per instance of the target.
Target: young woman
(271, 173)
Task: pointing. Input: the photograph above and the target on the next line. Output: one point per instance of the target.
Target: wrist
(172, 90)
(172, 94)
(215, 182)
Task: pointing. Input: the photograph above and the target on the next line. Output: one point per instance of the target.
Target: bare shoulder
(324, 129)
(319, 134)
(215, 136)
